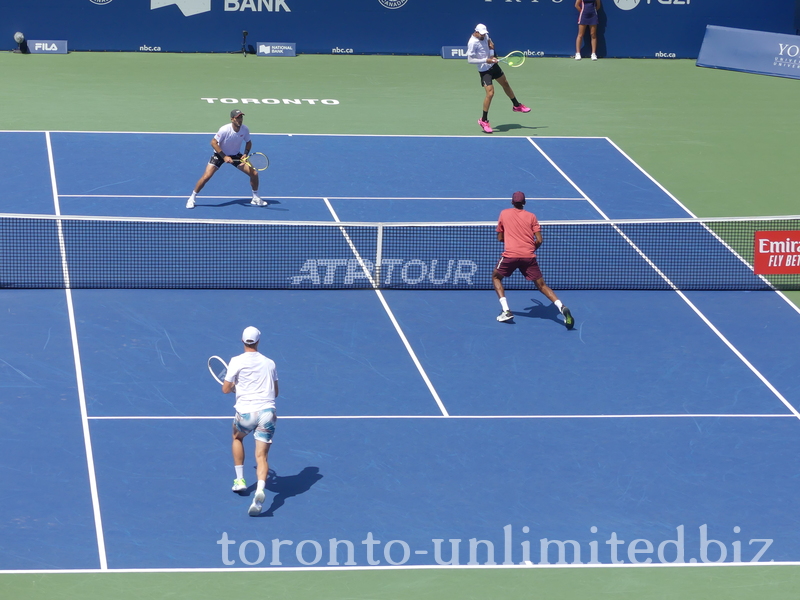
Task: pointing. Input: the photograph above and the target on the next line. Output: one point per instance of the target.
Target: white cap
(251, 335)
(481, 28)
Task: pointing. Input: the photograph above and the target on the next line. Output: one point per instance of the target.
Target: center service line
(391, 317)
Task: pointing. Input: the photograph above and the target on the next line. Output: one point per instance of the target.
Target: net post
(378, 255)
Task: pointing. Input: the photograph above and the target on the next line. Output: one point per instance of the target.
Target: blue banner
(454, 52)
(751, 52)
(276, 49)
(47, 46)
(627, 28)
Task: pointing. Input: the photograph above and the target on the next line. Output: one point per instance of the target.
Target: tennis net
(40, 251)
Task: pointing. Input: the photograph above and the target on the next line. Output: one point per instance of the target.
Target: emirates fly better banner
(777, 252)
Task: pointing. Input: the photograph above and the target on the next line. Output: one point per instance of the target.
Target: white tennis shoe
(257, 201)
(258, 502)
(190, 202)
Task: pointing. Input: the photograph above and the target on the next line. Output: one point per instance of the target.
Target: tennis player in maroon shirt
(521, 234)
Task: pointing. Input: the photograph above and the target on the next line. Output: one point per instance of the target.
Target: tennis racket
(218, 369)
(257, 160)
(513, 59)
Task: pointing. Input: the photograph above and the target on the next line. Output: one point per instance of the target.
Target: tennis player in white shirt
(227, 144)
(480, 51)
(255, 380)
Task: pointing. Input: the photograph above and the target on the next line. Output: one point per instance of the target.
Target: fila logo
(45, 46)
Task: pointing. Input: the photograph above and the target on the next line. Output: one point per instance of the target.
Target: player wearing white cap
(255, 380)
(480, 51)
(227, 144)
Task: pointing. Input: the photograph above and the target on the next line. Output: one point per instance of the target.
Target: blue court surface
(414, 429)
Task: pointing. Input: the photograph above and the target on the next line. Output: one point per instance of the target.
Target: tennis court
(407, 417)
(664, 420)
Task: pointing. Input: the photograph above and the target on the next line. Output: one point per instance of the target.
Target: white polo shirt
(231, 141)
(254, 376)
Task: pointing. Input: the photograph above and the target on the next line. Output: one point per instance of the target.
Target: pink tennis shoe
(485, 125)
(521, 108)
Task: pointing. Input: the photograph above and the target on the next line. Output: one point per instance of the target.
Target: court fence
(44, 251)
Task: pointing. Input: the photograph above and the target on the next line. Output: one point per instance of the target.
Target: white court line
(535, 199)
(450, 417)
(287, 134)
(389, 312)
(679, 203)
(87, 440)
(524, 565)
(697, 311)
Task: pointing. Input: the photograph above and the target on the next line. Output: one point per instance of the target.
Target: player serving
(480, 51)
(227, 144)
(521, 234)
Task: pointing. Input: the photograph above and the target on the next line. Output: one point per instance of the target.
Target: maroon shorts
(529, 267)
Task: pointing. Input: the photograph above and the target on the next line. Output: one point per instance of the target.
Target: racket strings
(258, 160)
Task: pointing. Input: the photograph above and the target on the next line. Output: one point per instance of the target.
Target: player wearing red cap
(521, 234)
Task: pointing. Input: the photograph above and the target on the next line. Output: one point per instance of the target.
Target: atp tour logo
(392, 4)
(188, 7)
(100, 2)
(626, 4)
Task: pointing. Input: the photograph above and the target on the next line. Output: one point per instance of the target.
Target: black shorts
(218, 160)
(490, 74)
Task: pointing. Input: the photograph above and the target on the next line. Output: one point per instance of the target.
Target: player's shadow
(541, 311)
(243, 202)
(288, 486)
(509, 126)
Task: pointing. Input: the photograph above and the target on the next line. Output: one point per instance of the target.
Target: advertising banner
(751, 52)
(454, 52)
(777, 252)
(276, 49)
(627, 28)
(47, 46)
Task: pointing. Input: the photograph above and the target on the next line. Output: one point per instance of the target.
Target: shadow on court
(510, 126)
(541, 311)
(287, 487)
(237, 202)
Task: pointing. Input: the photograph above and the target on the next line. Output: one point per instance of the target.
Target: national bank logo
(626, 4)
(276, 49)
(196, 7)
(188, 7)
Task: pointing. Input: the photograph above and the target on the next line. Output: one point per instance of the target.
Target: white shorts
(262, 421)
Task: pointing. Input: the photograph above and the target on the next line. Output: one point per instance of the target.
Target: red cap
(518, 198)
